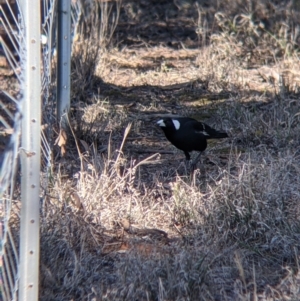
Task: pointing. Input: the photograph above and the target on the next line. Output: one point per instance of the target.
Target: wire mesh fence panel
(48, 41)
(16, 67)
(10, 133)
(50, 82)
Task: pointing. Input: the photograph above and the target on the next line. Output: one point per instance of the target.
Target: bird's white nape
(161, 123)
(176, 124)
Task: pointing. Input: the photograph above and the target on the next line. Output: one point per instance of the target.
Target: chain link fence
(28, 76)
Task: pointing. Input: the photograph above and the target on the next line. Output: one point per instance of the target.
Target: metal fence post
(64, 41)
(30, 151)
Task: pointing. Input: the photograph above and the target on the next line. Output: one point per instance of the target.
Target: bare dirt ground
(123, 220)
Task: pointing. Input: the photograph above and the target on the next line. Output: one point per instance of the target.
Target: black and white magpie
(188, 134)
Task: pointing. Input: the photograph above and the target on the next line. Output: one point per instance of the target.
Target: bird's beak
(161, 123)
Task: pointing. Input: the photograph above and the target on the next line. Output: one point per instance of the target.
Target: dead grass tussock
(236, 235)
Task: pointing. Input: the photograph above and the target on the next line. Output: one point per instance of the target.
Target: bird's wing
(201, 128)
(207, 131)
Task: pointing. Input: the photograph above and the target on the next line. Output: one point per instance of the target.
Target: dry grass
(123, 221)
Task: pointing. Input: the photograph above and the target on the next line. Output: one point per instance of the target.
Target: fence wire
(10, 133)
(11, 104)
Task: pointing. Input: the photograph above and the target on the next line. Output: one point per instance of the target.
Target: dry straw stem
(127, 130)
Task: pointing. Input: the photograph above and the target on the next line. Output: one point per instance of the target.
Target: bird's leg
(187, 156)
(187, 165)
(194, 163)
(187, 161)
